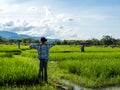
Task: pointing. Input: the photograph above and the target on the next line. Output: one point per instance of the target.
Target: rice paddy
(94, 68)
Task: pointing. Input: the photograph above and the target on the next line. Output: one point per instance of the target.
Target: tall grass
(18, 70)
(32, 87)
(30, 53)
(96, 67)
(3, 54)
(20, 67)
(10, 49)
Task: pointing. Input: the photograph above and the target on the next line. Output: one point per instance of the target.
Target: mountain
(12, 35)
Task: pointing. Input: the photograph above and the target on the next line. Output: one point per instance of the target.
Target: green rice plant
(18, 70)
(83, 56)
(96, 67)
(32, 87)
(3, 54)
(60, 53)
(64, 49)
(10, 49)
(101, 72)
(30, 53)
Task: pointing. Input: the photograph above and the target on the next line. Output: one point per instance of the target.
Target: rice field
(96, 67)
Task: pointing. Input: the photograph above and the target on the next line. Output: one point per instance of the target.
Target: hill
(12, 35)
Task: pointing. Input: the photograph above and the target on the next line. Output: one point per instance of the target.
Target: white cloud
(32, 9)
(48, 29)
(8, 24)
(36, 20)
(1, 10)
(65, 17)
(33, 20)
(61, 16)
(61, 26)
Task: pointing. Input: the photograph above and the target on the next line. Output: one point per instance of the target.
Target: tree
(107, 40)
(117, 41)
(11, 41)
(27, 41)
(95, 41)
(2, 40)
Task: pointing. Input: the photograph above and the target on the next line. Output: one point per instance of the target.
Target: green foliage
(93, 69)
(17, 70)
(4, 54)
(96, 67)
(32, 87)
(30, 53)
(99, 66)
(20, 71)
(108, 40)
(9, 48)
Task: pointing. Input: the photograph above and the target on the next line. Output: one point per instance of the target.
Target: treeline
(106, 40)
(24, 41)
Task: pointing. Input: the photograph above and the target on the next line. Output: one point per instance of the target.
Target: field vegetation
(96, 67)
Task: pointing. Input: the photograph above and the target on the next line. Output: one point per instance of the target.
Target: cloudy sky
(61, 19)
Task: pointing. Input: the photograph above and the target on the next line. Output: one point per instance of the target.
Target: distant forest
(106, 41)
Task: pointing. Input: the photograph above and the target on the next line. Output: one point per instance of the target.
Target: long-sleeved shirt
(43, 50)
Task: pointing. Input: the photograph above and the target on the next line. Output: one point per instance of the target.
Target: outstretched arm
(51, 44)
(33, 46)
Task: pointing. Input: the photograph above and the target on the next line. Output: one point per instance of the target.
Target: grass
(96, 67)
(4, 54)
(32, 87)
(18, 70)
(101, 72)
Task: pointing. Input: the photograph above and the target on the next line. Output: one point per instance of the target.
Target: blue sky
(61, 19)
